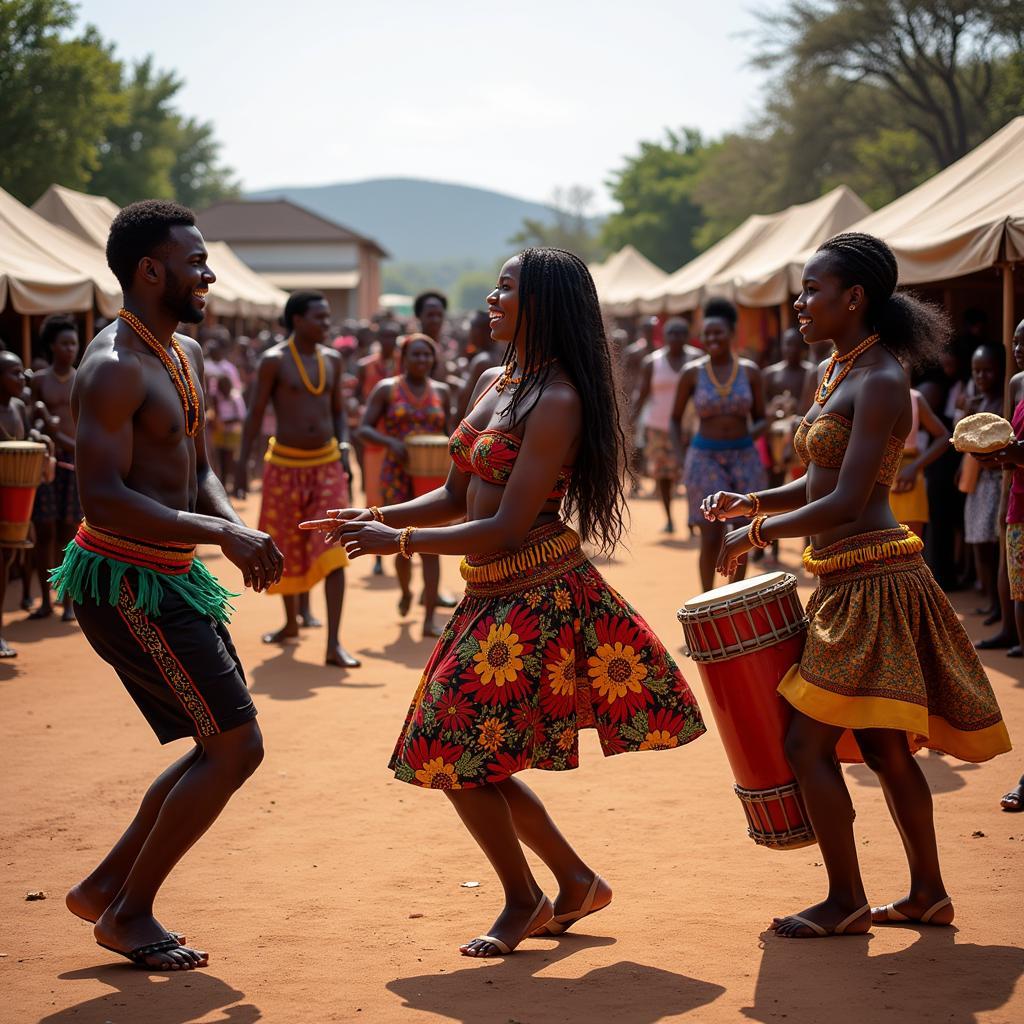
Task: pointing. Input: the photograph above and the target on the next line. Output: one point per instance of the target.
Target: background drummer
(411, 403)
(14, 426)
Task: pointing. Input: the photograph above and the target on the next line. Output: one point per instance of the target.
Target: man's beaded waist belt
(167, 558)
(302, 458)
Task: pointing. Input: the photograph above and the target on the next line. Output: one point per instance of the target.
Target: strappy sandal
(561, 923)
(824, 933)
(532, 927)
(139, 954)
(894, 916)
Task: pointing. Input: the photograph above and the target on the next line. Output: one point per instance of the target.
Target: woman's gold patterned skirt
(885, 650)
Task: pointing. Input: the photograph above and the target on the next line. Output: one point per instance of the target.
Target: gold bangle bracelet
(755, 503)
(376, 513)
(754, 532)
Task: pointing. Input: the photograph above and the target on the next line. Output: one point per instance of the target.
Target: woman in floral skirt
(541, 646)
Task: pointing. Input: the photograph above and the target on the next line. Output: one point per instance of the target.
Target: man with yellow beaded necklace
(307, 463)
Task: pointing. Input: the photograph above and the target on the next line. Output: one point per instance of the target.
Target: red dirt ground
(328, 892)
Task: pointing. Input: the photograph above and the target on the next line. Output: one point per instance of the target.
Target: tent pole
(1008, 326)
(90, 325)
(26, 340)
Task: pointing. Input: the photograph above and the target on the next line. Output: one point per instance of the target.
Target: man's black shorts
(180, 667)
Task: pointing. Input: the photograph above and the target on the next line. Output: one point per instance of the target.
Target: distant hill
(421, 221)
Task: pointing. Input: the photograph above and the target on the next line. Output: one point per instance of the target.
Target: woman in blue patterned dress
(728, 396)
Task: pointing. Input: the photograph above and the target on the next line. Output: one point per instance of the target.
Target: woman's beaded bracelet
(403, 542)
(754, 532)
(376, 513)
(755, 503)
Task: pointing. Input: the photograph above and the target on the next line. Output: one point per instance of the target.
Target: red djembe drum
(21, 472)
(744, 637)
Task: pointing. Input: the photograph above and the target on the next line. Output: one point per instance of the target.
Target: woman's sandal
(894, 916)
(824, 933)
(139, 954)
(1013, 801)
(531, 929)
(563, 922)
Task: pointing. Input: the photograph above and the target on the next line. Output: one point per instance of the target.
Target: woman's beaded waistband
(879, 547)
(547, 553)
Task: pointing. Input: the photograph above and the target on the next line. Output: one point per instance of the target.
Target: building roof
(275, 220)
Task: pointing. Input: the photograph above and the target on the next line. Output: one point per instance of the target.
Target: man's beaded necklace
(181, 377)
(321, 370)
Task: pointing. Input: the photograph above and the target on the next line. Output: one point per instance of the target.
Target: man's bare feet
(340, 657)
(126, 935)
(283, 635)
(823, 920)
(514, 924)
(576, 900)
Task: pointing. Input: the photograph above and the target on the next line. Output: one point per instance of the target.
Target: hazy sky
(520, 97)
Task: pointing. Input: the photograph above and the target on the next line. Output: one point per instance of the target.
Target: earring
(853, 306)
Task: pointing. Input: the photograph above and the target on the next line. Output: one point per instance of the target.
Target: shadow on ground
(943, 774)
(526, 989)
(936, 978)
(284, 677)
(140, 997)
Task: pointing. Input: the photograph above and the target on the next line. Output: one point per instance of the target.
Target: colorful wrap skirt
(298, 484)
(885, 650)
(1015, 559)
(539, 648)
(721, 466)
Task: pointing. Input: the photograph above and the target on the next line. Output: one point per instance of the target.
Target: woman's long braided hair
(565, 324)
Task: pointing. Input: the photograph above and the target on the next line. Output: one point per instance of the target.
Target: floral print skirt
(539, 648)
(885, 650)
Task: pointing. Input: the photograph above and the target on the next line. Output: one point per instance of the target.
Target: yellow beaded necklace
(723, 389)
(321, 370)
(181, 376)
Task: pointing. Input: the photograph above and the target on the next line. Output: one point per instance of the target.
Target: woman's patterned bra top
(824, 442)
(707, 401)
(491, 454)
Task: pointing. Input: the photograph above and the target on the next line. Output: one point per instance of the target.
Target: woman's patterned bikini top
(491, 454)
(824, 442)
(708, 402)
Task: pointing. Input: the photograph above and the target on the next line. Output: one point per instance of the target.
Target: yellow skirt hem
(922, 729)
(327, 563)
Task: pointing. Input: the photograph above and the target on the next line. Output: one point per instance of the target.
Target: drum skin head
(741, 588)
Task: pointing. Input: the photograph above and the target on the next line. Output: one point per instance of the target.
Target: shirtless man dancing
(145, 603)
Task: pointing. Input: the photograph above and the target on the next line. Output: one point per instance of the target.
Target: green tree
(198, 178)
(658, 212)
(58, 94)
(939, 59)
(570, 227)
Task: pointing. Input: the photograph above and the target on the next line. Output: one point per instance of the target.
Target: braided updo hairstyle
(565, 324)
(916, 331)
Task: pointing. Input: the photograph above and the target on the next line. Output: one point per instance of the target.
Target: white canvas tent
(238, 291)
(623, 276)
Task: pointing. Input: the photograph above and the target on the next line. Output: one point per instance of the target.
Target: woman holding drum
(886, 656)
(409, 405)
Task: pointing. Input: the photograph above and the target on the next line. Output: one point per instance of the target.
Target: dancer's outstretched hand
(372, 538)
(334, 517)
(724, 505)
